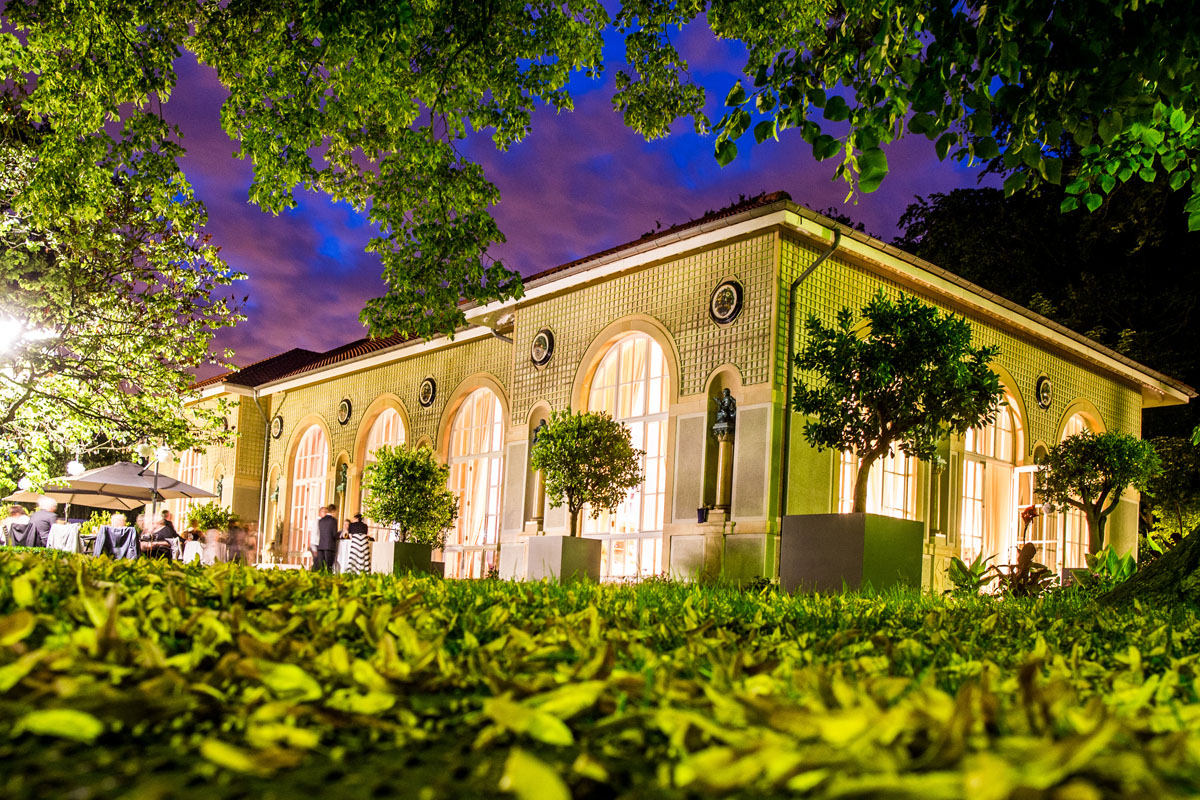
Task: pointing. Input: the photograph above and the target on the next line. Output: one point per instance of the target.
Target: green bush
(147, 679)
(211, 516)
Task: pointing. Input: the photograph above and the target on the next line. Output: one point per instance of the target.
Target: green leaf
(986, 148)
(1052, 170)
(764, 130)
(530, 778)
(943, 145)
(873, 168)
(23, 590)
(532, 722)
(65, 723)
(230, 757)
(1014, 183)
(1111, 125)
(16, 626)
(1194, 225)
(289, 681)
(726, 152)
(825, 147)
(1092, 201)
(836, 109)
(1069, 204)
(736, 96)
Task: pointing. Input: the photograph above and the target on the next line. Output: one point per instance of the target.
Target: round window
(276, 427)
(345, 409)
(542, 348)
(427, 393)
(725, 303)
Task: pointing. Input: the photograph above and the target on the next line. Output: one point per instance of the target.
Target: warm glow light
(24, 484)
(144, 450)
(10, 332)
(75, 468)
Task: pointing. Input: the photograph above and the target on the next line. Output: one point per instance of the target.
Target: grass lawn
(151, 680)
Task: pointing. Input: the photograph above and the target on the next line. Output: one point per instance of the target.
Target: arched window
(987, 512)
(476, 460)
(190, 463)
(891, 485)
(1073, 524)
(632, 384)
(309, 469)
(387, 429)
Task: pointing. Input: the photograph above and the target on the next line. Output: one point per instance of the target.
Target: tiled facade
(662, 289)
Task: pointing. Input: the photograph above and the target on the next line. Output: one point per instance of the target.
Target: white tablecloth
(65, 536)
(193, 551)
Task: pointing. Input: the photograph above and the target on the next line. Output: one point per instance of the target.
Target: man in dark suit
(327, 539)
(43, 519)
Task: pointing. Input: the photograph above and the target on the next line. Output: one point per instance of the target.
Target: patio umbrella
(126, 479)
(65, 494)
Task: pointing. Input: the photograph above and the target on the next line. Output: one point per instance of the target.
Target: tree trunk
(1095, 524)
(574, 521)
(1172, 578)
(861, 483)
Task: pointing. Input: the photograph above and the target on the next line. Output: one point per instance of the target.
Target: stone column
(724, 468)
(539, 499)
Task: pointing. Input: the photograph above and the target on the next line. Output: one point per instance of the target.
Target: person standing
(43, 519)
(360, 546)
(327, 540)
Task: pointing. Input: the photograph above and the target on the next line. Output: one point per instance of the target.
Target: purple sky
(581, 182)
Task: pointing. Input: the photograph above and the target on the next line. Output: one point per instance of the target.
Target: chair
(23, 535)
(117, 542)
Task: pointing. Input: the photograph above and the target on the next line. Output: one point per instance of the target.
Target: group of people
(22, 529)
(326, 536)
(157, 539)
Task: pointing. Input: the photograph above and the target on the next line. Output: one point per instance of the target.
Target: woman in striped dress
(360, 546)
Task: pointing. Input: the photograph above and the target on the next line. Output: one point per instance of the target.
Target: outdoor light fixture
(144, 450)
(24, 484)
(75, 468)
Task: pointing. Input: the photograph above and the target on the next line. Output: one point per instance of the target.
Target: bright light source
(75, 468)
(24, 484)
(10, 332)
(162, 453)
(144, 450)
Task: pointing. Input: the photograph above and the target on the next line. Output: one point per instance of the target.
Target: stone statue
(541, 426)
(726, 411)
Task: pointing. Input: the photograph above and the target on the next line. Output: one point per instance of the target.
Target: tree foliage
(1172, 495)
(106, 304)
(1026, 81)
(902, 375)
(368, 102)
(1089, 471)
(1113, 276)
(587, 459)
(407, 488)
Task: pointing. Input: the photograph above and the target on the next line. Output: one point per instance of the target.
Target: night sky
(581, 182)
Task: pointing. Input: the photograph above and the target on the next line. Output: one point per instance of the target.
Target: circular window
(276, 427)
(542, 348)
(1044, 392)
(427, 392)
(345, 409)
(725, 303)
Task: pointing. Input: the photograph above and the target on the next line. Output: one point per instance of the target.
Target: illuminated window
(987, 513)
(189, 472)
(387, 429)
(1073, 524)
(632, 384)
(891, 485)
(308, 489)
(476, 461)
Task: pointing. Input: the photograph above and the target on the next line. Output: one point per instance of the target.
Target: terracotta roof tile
(264, 371)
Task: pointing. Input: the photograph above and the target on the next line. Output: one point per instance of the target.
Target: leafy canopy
(407, 488)
(1172, 495)
(1089, 471)
(587, 459)
(1113, 86)
(105, 305)
(905, 375)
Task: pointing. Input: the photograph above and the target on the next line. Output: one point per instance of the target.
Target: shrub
(211, 516)
(407, 488)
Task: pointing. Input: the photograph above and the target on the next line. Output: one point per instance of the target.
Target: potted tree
(407, 489)
(1089, 471)
(588, 460)
(900, 376)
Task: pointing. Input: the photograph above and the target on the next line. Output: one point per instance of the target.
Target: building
(652, 332)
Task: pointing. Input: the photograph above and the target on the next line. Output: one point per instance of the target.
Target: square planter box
(398, 558)
(562, 558)
(826, 552)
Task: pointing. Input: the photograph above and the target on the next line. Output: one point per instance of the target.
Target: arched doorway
(387, 429)
(632, 384)
(475, 456)
(309, 480)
